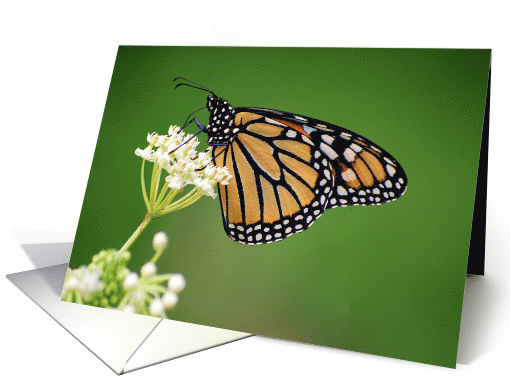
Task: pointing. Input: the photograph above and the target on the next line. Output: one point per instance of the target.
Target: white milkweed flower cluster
(145, 294)
(177, 154)
(107, 282)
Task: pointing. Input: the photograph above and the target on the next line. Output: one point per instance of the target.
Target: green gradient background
(386, 280)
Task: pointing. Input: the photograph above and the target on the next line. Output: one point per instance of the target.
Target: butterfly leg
(214, 157)
(187, 121)
(200, 126)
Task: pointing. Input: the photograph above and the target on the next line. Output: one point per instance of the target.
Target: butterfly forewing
(281, 184)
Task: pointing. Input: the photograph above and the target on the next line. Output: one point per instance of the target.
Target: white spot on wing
(273, 122)
(356, 148)
(324, 127)
(307, 140)
(308, 129)
(391, 170)
(348, 175)
(332, 154)
(328, 139)
(349, 155)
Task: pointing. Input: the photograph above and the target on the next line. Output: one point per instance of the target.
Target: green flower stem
(156, 186)
(137, 233)
(186, 202)
(161, 196)
(168, 199)
(154, 190)
(154, 289)
(159, 278)
(183, 202)
(156, 257)
(144, 190)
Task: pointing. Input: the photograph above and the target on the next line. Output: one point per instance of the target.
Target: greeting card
(322, 195)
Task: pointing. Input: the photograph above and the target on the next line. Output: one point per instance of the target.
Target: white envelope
(123, 341)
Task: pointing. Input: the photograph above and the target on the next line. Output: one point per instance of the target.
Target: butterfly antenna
(200, 87)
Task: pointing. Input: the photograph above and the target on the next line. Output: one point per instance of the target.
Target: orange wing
(278, 184)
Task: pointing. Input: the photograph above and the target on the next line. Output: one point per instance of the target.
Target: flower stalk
(137, 233)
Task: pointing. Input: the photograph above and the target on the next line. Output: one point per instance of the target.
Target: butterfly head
(221, 126)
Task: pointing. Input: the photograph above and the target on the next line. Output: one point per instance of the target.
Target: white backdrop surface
(56, 62)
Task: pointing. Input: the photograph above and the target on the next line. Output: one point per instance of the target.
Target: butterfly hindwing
(365, 174)
(281, 184)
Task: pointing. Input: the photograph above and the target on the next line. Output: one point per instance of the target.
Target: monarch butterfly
(288, 169)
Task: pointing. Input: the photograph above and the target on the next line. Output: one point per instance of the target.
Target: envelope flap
(112, 336)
